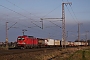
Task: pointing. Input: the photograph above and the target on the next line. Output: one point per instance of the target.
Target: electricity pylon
(63, 23)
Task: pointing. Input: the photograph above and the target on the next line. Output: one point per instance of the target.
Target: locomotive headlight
(23, 43)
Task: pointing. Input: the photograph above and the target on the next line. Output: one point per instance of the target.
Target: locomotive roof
(26, 36)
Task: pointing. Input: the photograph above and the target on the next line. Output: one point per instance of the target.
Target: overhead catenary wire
(73, 12)
(34, 15)
(51, 11)
(21, 8)
(84, 29)
(74, 17)
(7, 20)
(46, 15)
(14, 11)
(70, 12)
(19, 23)
(29, 12)
(18, 13)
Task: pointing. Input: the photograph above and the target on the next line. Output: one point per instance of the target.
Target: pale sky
(25, 11)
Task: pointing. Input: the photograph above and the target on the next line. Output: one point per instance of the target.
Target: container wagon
(41, 42)
(57, 43)
(49, 42)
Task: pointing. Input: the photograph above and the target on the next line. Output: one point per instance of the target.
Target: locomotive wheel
(22, 48)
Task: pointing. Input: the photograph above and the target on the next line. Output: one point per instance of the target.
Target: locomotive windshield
(20, 38)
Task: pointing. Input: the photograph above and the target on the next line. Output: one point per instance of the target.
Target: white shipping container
(77, 43)
(49, 41)
(83, 43)
(66, 43)
(70, 43)
(87, 43)
(57, 42)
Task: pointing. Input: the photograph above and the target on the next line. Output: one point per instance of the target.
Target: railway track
(18, 51)
(40, 53)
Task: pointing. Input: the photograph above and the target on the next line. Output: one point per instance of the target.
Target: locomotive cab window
(20, 38)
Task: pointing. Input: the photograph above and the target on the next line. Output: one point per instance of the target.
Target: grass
(51, 55)
(80, 55)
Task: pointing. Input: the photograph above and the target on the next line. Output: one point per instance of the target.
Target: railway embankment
(54, 54)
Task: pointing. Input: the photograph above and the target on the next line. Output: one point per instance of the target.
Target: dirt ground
(59, 54)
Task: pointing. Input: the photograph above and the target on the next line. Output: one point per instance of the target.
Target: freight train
(32, 42)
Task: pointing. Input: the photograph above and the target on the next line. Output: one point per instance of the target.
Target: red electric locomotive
(27, 41)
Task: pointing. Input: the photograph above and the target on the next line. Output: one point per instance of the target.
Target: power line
(27, 11)
(21, 8)
(55, 24)
(13, 11)
(73, 11)
(71, 15)
(52, 22)
(16, 13)
(75, 15)
(51, 11)
(12, 21)
(30, 13)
